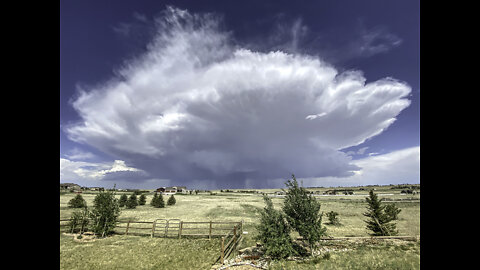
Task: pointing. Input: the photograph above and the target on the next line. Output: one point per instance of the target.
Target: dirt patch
(83, 237)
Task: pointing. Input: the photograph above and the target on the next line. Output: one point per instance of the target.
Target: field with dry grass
(148, 253)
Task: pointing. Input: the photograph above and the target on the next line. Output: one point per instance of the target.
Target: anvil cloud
(196, 106)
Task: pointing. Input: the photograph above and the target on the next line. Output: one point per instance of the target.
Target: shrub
(77, 202)
(379, 221)
(303, 213)
(78, 218)
(332, 218)
(132, 202)
(142, 200)
(171, 200)
(274, 232)
(105, 213)
(123, 200)
(392, 211)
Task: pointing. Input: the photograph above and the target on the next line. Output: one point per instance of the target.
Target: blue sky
(230, 94)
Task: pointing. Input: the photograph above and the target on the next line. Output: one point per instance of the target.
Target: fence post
(234, 234)
(180, 230)
(153, 227)
(210, 232)
(128, 225)
(221, 255)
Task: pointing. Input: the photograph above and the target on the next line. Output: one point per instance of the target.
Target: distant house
(172, 190)
(330, 192)
(70, 186)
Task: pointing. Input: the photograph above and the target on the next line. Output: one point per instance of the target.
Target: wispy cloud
(78, 154)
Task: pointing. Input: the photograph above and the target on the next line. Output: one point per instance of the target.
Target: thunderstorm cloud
(198, 107)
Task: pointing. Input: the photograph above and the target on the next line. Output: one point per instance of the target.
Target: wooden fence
(230, 243)
(170, 228)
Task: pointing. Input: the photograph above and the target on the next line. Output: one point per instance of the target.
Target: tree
(105, 213)
(77, 202)
(142, 200)
(303, 213)
(379, 221)
(123, 200)
(332, 218)
(274, 232)
(79, 218)
(171, 200)
(154, 199)
(392, 211)
(158, 201)
(132, 202)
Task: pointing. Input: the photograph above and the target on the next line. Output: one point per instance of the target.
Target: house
(70, 186)
(172, 190)
(330, 192)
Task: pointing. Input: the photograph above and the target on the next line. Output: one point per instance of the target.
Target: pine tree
(274, 232)
(77, 202)
(392, 211)
(123, 200)
(154, 199)
(158, 201)
(379, 221)
(303, 213)
(171, 200)
(142, 200)
(132, 202)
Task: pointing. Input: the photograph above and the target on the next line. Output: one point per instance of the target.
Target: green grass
(136, 252)
(378, 256)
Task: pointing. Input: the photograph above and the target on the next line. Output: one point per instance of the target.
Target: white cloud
(195, 106)
(71, 171)
(78, 154)
(397, 167)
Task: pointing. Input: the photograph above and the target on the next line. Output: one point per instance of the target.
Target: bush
(123, 200)
(142, 200)
(392, 211)
(105, 213)
(379, 220)
(332, 218)
(171, 200)
(303, 213)
(78, 218)
(274, 232)
(132, 202)
(77, 202)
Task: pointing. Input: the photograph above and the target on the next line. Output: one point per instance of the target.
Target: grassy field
(128, 252)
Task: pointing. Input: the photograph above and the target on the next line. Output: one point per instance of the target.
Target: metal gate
(166, 227)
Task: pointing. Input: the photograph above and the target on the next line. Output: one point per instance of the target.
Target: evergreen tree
(303, 213)
(142, 200)
(77, 202)
(123, 200)
(274, 232)
(154, 199)
(332, 218)
(105, 213)
(132, 202)
(392, 211)
(379, 221)
(171, 200)
(158, 201)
